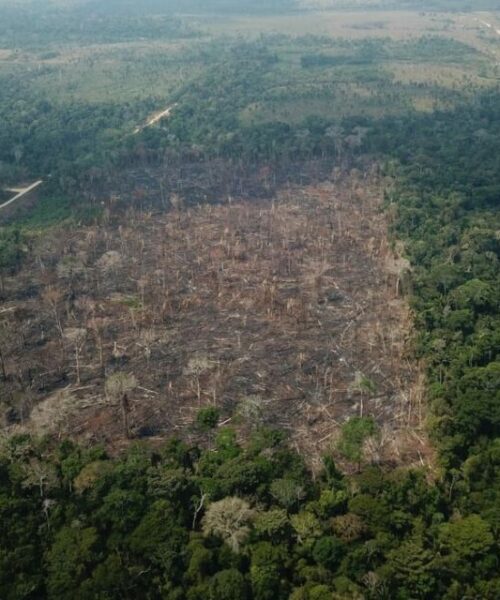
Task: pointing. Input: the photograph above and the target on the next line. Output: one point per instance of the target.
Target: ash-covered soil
(285, 311)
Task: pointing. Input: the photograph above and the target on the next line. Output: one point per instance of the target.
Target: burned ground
(282, 311)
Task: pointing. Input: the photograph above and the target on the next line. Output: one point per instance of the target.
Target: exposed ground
(19, 193)
(154, 118)
(283, 311)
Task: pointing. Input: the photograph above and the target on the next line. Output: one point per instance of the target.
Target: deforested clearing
(287, 311)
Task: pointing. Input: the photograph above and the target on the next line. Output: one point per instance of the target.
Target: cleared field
(284, 312)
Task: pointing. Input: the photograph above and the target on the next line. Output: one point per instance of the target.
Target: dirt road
(22, 193)
(155, 118)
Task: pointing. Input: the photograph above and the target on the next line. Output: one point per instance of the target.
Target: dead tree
(117, 387)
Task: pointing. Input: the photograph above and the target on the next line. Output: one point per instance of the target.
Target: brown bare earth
(276, 311)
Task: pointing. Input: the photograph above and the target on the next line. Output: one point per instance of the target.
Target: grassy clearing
(127, 72)
(397, 25)
(447, 76)
(337, 78)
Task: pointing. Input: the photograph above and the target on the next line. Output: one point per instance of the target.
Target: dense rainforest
(228, 520)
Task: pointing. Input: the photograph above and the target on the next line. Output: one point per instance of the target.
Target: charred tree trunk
(125, 410)
(3, 371)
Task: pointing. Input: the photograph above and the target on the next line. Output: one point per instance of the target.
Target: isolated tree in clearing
(117, 387)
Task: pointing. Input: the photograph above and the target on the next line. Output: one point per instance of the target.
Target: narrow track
(22, 193)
